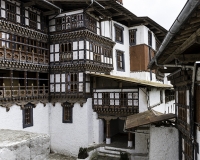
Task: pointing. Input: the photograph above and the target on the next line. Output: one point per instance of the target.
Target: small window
(106, 99)
(32, 20)
(28, 115)
(149, 38)
(120, 60)
(67, 112)
(132, 37)
(161, 96)
(123, 99)
(119, 33)
(11, 11)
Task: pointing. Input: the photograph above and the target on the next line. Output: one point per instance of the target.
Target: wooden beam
(48, 13)
(123, 18)
(189, 42)
(28, 4)
(117, 14)
(188, 57)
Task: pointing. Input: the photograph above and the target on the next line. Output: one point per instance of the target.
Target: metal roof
(133, 80)
(182, 40)
(147, 117)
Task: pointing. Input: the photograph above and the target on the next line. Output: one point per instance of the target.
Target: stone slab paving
(55, 156)
(23, 145)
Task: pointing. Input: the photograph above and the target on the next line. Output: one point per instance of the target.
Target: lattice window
(32, 19)
(28, 115)
(119, 33)
(11, 12)
(106, 99)
(67, 112)
(149, 38)
(187, 151)
(66, 51)
(72, 82)
(123, 101)
(169, 95)
(182, 109)
(132, 36)
(120, 60)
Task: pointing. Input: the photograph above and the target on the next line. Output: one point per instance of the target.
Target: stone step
(117, 149)
(105, 158)
(108, 153)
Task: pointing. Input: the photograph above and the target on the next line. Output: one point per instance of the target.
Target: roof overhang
(182, 42)
(46, 6)
(112, 10)
(147, 117)
(133, 80)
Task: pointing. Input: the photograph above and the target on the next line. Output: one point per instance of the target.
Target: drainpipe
(186, 11)
(192, 128)
(192, 103)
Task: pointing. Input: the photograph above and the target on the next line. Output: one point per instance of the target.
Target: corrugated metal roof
(146, 117)
(134, 80)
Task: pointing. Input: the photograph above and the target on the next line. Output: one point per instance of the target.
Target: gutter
(186, 11)
(53, 5)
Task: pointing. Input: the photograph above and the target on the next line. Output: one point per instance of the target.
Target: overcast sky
(164, 12)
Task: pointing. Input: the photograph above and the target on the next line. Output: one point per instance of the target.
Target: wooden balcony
(22, 92)
(116, 103)
(20, 56)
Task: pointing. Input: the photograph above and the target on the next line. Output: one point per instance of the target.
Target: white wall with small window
(142, 36)
(13, 119)
(82, 132)
(121, 64)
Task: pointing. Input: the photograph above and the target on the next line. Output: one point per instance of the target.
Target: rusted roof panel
(134, 80)
(147, 117)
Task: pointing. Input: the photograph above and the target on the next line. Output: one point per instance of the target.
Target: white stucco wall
(14, 120)
(143, 76)
(142, 35)
(122, 47)
(163, 143)
(67, 138)
(142, 100)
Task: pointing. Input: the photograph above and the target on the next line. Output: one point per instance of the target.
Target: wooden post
(130, 142)
(25, 82)
(11, 83)
(108, 139)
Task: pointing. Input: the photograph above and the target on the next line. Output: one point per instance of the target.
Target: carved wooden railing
(22, 91)
(22, 56)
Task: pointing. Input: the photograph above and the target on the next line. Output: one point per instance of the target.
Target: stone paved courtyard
(55, 156)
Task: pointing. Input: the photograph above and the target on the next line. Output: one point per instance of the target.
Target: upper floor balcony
(71, 21)
(22, 50)
(116, 103)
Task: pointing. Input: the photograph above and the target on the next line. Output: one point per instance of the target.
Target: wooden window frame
(67, 109)
(106, 99)
(123, 101)
(119, 33)
(66, 51)
(150, 38)
(33, 20)
(10, 12)
(120, 61)
(132, 37)
(28, 110)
